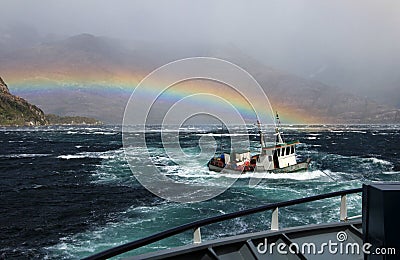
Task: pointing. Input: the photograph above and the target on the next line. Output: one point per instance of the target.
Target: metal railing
(196, 225)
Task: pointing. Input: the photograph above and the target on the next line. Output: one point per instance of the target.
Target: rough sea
(67, 192)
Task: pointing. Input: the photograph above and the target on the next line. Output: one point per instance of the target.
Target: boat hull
(298, 167)
(214, 168)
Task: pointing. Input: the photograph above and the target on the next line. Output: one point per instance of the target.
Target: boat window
(292, 149)
(270, 158)
(278, 151)
(287, 150)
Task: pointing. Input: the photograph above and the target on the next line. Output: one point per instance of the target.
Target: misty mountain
(83, 70)
(349, 45)
(17, 36)
(333, 105)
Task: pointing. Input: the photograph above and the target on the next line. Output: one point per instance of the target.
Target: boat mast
(220, 138)
(262, 142)
(279, 138)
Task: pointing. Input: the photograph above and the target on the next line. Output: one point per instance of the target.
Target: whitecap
(218, 135)
(390, 172)
(102, 155)
(24, 155)
(71, 156)
(104, 133)
(360, 132)
(378, 161)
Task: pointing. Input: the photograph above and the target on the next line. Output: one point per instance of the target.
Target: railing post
(197, 236)
(274, 220)
(343, 208)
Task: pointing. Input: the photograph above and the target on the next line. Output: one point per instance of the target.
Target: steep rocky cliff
(3, 86)
(17, 111)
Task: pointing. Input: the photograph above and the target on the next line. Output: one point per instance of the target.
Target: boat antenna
(262, 142)
(220, 138)
(279, 138)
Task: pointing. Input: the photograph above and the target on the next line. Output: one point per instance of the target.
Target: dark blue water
(67, 192)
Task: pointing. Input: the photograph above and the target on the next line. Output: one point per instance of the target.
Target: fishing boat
(278, 158)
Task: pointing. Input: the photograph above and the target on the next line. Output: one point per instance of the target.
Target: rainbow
(210, 94)
(124, 83)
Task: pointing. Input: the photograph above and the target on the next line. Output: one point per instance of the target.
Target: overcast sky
(351, 44)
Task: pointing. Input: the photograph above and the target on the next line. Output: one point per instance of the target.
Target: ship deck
(252, 245)
(305, 242)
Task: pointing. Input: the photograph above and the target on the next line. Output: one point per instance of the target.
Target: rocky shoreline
(16, 111)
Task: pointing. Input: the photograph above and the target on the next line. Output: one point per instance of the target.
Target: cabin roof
(238, 151)
(282, 145)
